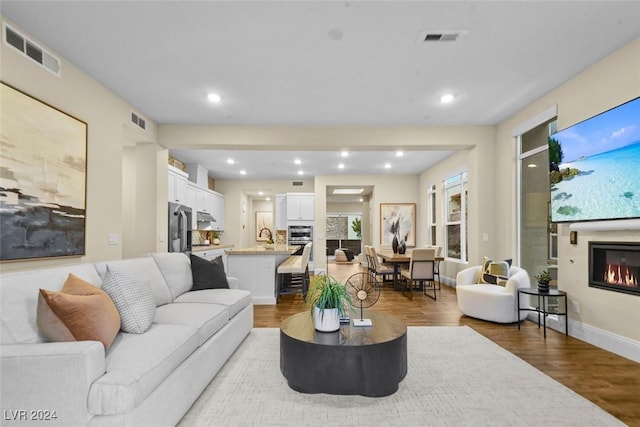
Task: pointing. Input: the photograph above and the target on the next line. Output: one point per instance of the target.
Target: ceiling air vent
(297, 183)
(433, 36)
(138, 121)
(31, 50)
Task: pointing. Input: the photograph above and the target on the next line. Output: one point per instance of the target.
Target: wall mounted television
(595, 167)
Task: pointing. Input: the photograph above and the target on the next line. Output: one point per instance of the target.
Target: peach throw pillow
(79, 312)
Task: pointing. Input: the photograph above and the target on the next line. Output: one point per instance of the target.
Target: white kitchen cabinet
(212, 203)
(177, 186)
(217, 210)
(281, 211)
(300, 206)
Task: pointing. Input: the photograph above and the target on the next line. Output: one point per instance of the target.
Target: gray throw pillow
(208, 274)
(133, 298)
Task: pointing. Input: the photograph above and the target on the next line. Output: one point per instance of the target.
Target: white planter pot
(327, 320)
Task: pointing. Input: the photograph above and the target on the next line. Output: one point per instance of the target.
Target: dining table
(398, 260)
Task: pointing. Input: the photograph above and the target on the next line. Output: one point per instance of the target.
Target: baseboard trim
(622, 346)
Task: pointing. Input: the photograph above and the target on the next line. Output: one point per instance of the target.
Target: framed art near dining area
(399, 220)
(43, 177)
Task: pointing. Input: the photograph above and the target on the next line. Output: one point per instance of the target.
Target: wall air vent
(138, 121)
(297, 183)
(30, 49)
(433, 36)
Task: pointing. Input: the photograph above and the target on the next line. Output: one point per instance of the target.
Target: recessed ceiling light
(243, 172)
(297, 161)
(213, 97)
(399, 153)
(348, 190)
(230, 161)
(300, 172)
(341, 166)
(446, 98)
(344, 154)
(260, 193)
(268, 199)
(361, 199)
(387, 165)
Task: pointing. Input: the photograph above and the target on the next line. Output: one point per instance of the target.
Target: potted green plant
(329, 300)
(543, 279)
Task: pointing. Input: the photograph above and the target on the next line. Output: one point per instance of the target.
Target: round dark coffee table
(369, 361)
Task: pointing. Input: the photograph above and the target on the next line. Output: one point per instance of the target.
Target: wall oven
(299, 234)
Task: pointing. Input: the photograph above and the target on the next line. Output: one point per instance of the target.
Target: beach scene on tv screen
(595, 167)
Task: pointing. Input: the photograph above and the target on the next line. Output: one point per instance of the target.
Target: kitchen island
(255, 267)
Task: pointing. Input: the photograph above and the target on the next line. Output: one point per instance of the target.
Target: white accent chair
(494, 303)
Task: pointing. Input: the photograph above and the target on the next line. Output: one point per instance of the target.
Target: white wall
(107, 117)
(610, 82)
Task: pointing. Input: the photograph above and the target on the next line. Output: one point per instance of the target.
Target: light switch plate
(114, 238)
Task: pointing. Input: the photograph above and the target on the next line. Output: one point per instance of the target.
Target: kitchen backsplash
(199, 236)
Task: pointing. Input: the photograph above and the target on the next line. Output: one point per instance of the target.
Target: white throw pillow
(133, 298)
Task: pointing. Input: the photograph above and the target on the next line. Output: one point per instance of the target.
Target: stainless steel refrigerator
(179, 228)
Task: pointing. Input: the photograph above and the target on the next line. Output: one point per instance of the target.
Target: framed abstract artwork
(398, 219)
(43, 179)
(264, 226)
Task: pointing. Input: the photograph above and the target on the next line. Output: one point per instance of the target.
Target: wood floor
(608, 380)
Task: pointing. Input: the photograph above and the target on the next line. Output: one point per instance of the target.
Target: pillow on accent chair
(493, 270)
(133, 299)
(208, 274)
(79, 312)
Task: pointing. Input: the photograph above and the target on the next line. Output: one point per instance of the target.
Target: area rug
(456, 377)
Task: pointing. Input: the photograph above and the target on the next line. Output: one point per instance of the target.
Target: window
(432, 214)
(455, 221)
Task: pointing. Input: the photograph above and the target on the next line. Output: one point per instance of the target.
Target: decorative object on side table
(329, 301)
(543, 279)
(363, 290)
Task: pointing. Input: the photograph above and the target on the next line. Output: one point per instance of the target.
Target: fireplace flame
(619, 275)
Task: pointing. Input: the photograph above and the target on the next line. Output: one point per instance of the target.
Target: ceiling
(328, 63)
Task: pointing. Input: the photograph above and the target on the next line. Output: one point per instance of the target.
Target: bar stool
(295, 270)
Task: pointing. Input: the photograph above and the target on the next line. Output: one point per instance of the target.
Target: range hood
(204, 217)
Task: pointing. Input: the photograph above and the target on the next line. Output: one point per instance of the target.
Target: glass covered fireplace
(615, 266)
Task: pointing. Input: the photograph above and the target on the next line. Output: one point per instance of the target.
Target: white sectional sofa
(490, 302)
(147, 379)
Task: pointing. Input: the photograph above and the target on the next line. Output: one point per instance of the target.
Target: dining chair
(421, 269)
(436, 266)
(381, 269)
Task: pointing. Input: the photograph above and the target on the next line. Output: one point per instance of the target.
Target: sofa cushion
(207, 318)
(137, 364)
(19, 294)
(208, 274)
(234, 299)
(142, 268)
(133, 299)
(176, 269)
(79, 312)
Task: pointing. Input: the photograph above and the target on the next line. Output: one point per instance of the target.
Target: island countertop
(260, 250)
(200, 248)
